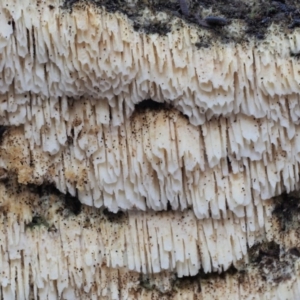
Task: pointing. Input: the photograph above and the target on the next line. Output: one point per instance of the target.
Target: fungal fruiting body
(181, 185)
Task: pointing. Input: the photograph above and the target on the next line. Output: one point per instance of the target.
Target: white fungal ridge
(70, 251)
(86, 256)
(89, 53)
(47, 56)
(156, 158)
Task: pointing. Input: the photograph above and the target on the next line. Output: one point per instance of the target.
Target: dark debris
(273, 266)
(258, 16)
(264, 250)
(287, 210)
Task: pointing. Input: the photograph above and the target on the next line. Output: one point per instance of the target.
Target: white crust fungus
(193, 178)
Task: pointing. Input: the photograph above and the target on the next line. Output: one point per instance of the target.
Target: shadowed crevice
(3, 130)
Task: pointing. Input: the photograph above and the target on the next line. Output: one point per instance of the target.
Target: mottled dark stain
(114, 217)
(257, 16)
(37, 221)
(287, 210)
(264, 250)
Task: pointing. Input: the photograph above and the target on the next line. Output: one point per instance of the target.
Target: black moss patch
(257, 16)
(132, 12)
(203, 43)
(287, 210)
(275, 264)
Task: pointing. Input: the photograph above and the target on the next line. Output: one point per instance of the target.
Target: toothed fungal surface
(157, 160)
(50, 249)
(149, 149)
